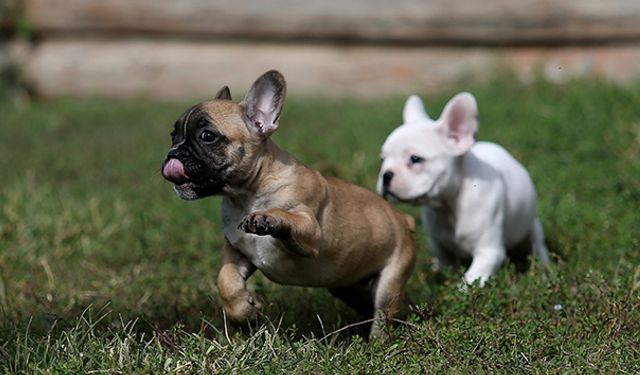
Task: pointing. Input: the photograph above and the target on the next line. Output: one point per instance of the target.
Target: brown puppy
(279, 216)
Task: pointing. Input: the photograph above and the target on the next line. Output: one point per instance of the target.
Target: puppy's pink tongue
(173, 171)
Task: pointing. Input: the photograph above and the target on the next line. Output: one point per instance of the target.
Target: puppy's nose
(173, 153)
(386, 178)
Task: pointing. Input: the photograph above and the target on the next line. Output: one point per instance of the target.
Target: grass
(103, 269)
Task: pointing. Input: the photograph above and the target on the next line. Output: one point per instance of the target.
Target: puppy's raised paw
(260, 224)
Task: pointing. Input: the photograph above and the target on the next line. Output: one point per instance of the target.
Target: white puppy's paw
(436, 265)
(463, 287)
(470, 279)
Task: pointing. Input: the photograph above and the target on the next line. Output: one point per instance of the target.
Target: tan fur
(331, 233)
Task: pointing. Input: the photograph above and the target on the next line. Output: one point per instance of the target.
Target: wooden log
(9, 14)
(196, 70)
(399, 21)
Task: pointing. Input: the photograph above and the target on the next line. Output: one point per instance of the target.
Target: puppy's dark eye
(381, 160)
(415, 159)
(208, 136)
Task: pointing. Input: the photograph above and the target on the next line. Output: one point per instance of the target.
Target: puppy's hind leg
(537, 243)
(389, 291)
(358, 296)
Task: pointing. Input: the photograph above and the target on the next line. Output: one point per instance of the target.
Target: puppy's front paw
(260, 224)
(243, 308)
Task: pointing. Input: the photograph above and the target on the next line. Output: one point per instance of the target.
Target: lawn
(103, 268)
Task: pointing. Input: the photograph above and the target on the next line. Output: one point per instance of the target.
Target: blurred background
(104, 269)
(187, 49)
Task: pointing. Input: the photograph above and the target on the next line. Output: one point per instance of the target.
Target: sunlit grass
(103, 268)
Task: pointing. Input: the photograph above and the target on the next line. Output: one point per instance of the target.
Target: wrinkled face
(416, 164)
(420, 158)
(215, 145)
(209, 145)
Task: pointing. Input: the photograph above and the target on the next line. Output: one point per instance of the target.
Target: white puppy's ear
(413, 110)
(263, 103)
(459, 122)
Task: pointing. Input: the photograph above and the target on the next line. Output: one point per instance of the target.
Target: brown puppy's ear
(263, 103)
(224, 93)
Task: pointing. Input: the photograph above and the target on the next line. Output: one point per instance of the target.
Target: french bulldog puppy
(283, 218)
(478, 201)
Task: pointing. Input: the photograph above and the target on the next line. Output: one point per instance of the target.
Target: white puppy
(478, 201)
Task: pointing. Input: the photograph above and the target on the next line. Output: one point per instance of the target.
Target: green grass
(103, 268)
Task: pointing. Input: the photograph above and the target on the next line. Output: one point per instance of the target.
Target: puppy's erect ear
(224, 93)
(459, 122)
(413, 110)
(263, 103)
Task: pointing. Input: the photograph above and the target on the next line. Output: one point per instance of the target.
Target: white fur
(478, 201)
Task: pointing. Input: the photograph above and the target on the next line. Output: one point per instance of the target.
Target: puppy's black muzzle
(386, 181)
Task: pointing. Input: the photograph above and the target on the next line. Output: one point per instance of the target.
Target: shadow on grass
(297, 313)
